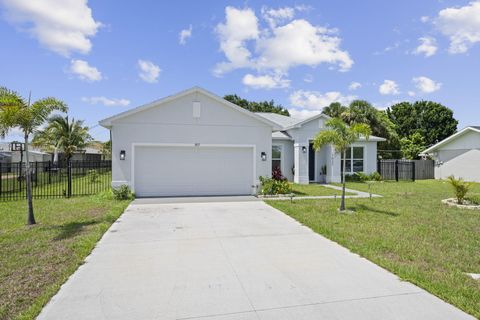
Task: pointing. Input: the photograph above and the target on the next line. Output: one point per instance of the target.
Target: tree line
(408, 127)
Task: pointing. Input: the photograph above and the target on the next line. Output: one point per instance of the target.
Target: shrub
(277, 174)
(460, 188)
(375, 176)
(270, 186)
(93, 176)
(122, 193)
(474, 199)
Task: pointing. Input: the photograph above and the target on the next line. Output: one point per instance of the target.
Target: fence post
(413, 171)
(396, 170)
(69, 179)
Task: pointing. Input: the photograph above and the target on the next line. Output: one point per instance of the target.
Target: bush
(93, 176)
(122, 193)
(277, 174)
(272, 186)
(362, 177)
(460, 188)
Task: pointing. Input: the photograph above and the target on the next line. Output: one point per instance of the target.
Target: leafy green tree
(17, 112)
(412, 146)
(106, 149)
(341, 136)
(263, 106)
(67, 136)
(361, 111)
(335, 110)
(432, 120)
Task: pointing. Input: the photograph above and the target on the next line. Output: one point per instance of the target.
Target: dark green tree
(412, 146)
(262, 106)
(335, 110)
(432, 120)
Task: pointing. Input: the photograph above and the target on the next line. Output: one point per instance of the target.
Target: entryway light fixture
(122, 155)
(263, 155)
(304, 149)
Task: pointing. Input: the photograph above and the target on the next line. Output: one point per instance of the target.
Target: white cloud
(61, 26)
(149, 71)
(313, 100)
(265, 81)
(389, 87)
(106, 101)
(411, 93)
(277, 48)
(184, 35)
(84, 71)
(426, 85)
(428, 46)
(461, 25)
(308, 78)
(354, 86)
(424, 19)
(275, 16)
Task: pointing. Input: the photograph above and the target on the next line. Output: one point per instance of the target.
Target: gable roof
(284, 121)
(451, 138)
(107, 123)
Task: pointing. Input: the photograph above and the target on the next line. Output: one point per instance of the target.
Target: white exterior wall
(287, 162)
(369, 155)
(460, 157)
(173, 123)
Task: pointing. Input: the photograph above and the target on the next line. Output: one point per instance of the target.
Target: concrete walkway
(356, 194)
(231, 260)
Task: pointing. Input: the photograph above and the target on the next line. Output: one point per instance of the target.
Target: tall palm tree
(64, 135)
(341, 137)
(17, 112)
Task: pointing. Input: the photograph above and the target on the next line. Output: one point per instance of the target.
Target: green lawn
(36, 260)
(409, 232)
(313, 190)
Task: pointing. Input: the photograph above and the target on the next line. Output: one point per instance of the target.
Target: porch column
(301, 163)
(334, 165)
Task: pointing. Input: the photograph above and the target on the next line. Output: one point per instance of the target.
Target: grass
(314, 190)
(36, 260)
(409, 232)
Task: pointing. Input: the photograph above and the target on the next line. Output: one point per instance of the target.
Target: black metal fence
(65, 179)
(406, 169)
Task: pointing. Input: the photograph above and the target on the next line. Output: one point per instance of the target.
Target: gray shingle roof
(283, 121)
(476, 127)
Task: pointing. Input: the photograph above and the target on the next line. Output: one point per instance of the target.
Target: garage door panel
(176, 171)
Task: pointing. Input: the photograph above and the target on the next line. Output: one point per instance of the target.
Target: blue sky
(104, 57)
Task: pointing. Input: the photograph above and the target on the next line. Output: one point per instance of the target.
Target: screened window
(276, 157)
(354, 161)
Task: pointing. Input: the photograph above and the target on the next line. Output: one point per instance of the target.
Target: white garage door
(189, 171)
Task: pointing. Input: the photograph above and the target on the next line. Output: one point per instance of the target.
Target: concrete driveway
(227, 260)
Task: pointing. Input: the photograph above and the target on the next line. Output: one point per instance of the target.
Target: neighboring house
(86, 154)
(197, 143)
(457, 155)
(8, 156)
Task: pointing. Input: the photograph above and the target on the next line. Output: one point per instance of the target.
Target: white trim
(194, 145)
(301, 123)
(107, 123)
(281, 156)
(352, 159)
(446, 140)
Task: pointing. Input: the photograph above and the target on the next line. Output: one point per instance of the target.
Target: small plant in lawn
(93, 176)
(460, 188)
(122, 193)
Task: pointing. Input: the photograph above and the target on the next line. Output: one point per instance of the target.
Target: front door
(311, 162)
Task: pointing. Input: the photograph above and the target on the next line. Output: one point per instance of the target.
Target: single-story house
(197, 143)
(457, 155)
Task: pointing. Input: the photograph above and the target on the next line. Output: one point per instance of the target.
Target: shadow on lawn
(368, 208)
(70, 230)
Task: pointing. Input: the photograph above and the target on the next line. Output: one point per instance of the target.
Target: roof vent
(196, 109)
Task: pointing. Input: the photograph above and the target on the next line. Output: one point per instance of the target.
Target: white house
(197, 143)
(458, 155)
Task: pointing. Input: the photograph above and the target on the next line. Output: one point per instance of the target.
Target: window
(354, 160)
(276, 156)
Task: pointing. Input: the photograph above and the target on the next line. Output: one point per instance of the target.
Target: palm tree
(341, 137)
(64, 135)
(16, 112)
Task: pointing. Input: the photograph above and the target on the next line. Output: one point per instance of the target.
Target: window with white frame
(276, 156)
(354, 161)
